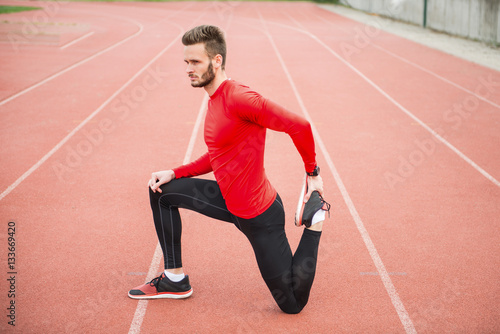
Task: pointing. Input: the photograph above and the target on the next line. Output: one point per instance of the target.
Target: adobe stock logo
(364, 36)
(121, 109)
(453, 119)
(31, 28)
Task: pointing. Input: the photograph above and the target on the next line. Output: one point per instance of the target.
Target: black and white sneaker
(313, 211)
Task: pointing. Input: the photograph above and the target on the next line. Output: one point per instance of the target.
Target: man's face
(199, 67)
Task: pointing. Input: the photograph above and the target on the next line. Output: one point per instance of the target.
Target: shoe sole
(164, 295)
(300, 205)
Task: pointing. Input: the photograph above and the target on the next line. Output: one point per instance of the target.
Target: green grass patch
(15, 9)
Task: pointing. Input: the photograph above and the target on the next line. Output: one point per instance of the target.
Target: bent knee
(154, 196)
(291, 309)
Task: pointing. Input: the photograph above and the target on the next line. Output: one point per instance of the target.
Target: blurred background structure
(473, 19)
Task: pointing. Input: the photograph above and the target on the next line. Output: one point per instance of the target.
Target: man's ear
(217, 61)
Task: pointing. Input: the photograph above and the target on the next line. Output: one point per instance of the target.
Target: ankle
(316, 227)
(175, 271)
(174, 277)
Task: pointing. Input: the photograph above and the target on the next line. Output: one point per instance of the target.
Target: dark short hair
(211, 36)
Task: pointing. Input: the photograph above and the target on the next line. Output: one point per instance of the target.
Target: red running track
(94, 97)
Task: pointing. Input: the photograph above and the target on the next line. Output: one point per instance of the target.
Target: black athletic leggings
(288, 277)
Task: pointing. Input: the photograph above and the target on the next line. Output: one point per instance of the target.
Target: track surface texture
(94, 98)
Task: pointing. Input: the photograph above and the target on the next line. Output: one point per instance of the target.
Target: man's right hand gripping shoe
(162, 287)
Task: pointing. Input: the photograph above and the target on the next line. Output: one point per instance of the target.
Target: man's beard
(206, 77)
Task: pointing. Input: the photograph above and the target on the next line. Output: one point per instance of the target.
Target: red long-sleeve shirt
(235, 133)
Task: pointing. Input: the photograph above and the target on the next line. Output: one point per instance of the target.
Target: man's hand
(313, 183)
(160, 178)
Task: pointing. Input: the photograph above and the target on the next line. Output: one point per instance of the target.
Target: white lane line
(482, 98)
(397, 104)
(76, 40)
(199, 120)
(142, 305)
(438, 76)
(391, 290)
(141, 28)
(75, 65)
(85, 121)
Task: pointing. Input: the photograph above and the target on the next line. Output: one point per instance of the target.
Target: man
(235, 128)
